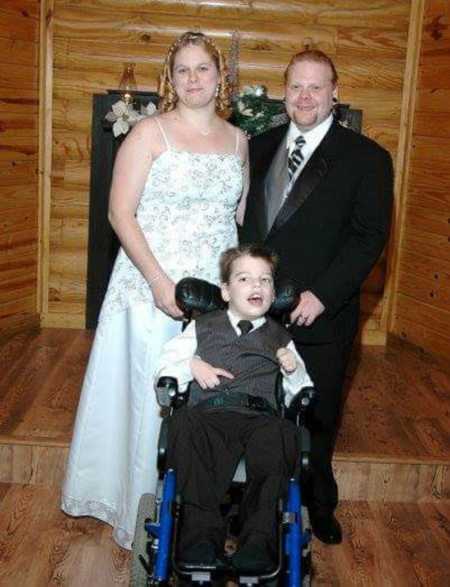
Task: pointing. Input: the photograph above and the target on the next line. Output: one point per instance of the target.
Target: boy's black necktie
(244, 326)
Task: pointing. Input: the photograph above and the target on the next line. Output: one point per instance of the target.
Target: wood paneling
(92, 39)
(421, 302)
(361, 480)
(19, 28)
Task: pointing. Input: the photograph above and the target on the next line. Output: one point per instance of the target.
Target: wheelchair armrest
(197, 296)
(300, 404)
(162, 445)
(168, 395)
(305, 449)
(166, 390)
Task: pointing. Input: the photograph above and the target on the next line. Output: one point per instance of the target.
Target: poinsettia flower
(133, 116)
(148, 110)
(120, 108)
(255, 90)
(242, 107)
(120, 127)
(124, 116)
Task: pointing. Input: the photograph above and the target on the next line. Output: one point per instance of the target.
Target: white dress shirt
(175, 359)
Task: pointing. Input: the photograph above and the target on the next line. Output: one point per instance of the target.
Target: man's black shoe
(253, 557)
(326, 528)
(202, 553)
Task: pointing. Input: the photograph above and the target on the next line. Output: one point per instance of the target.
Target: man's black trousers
(326, 365)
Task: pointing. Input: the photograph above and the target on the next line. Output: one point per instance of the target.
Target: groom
(321, 197)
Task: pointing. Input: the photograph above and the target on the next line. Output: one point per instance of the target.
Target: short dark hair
(312, 56)
(228, 257)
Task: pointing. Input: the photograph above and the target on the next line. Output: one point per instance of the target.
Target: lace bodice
(187, 214)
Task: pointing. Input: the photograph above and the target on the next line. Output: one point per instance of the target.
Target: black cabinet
(103, 243)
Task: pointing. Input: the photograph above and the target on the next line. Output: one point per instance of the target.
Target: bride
(177, 182)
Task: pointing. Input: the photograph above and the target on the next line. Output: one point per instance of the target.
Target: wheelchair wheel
(306, 553)
(139, 576)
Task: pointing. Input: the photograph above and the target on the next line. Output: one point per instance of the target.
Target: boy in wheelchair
(231, 359)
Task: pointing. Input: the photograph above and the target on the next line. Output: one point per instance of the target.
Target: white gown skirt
(112, 459)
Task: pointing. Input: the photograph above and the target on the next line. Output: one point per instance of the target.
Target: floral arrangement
(252, 111)
(123, 115)
(255, 113)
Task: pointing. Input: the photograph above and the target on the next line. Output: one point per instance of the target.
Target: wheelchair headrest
(197, 296)
(286, 298)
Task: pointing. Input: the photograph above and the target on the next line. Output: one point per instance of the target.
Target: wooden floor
(386, 545)
(392, 463)
(398, 405)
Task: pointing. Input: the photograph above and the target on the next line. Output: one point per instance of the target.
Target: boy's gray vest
(251, 358)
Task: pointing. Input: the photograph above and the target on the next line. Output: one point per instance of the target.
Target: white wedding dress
(187, 213)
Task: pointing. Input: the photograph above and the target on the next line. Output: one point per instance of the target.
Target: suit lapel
(311, 176)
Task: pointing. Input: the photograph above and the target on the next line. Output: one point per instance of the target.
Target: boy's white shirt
(175, 359)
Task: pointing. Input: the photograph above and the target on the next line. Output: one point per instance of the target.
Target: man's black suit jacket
(333, 226)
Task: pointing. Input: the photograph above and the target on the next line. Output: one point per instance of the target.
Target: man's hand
(206, 375)
(287, 360)
(307, 310)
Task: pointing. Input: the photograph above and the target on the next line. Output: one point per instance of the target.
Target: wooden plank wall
(93, 38)
(19, 52)
(422, 296)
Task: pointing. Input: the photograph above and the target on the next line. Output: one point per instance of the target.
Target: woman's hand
(163, 290)
(206, 375)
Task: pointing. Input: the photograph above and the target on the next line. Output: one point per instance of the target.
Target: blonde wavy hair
(166, 90)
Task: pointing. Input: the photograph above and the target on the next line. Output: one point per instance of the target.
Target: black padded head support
(196, 296)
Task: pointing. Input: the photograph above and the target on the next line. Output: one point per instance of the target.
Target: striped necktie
(296, 157)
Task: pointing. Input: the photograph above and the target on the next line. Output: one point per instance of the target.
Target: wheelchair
(154, 551)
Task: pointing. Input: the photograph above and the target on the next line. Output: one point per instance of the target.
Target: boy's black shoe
(202, 553)
(253, 557)
(326, 528)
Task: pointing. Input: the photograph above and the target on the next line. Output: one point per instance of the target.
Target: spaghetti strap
(163, 133)
(236, 151)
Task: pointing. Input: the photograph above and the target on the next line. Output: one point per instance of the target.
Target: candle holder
(127, 84)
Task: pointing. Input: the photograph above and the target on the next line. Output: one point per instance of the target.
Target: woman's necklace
(204, 132)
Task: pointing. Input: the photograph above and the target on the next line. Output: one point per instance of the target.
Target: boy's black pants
(204, 447)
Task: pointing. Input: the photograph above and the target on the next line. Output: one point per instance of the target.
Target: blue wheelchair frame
(293, 536)
(294, 539)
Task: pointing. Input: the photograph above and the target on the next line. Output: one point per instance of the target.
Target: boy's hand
(287, 360)
(206, 375)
